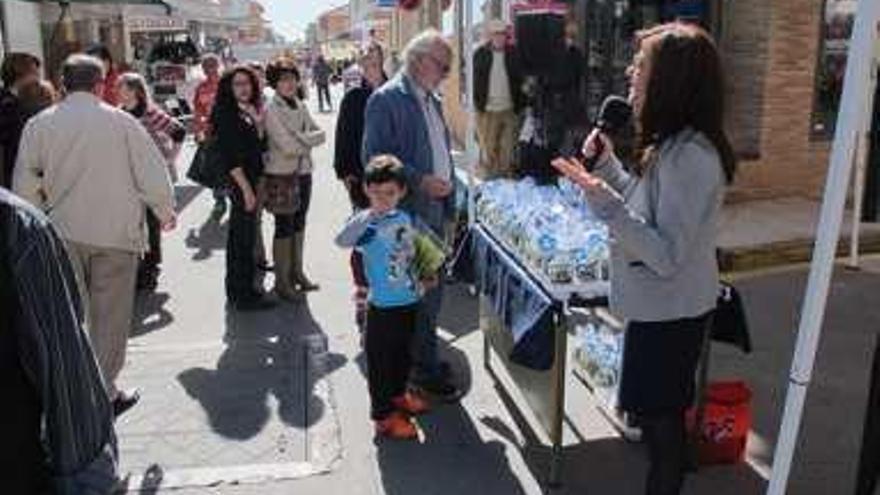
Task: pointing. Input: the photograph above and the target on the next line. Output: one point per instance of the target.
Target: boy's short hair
(385, 168)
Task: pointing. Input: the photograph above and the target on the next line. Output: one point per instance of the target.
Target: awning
(66, 3)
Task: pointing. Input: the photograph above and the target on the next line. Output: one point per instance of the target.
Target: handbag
(729, 323)
(207, 168)
(279, 193)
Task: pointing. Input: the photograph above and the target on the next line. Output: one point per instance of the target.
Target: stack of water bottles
(599, 348)
(551, 228)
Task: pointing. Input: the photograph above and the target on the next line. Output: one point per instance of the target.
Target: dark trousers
(284, 226)
(389, 336)
(665, 436)
(153, 258)
(240, 247)
(324, 92)
(305, 201)
(425, 341)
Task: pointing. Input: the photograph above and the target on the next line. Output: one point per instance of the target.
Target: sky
(290, 17)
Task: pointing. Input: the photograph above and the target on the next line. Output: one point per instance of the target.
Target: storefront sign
(153, 24)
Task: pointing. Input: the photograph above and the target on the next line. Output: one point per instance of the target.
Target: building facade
(334, 34)
(784, 61)
(20, 28)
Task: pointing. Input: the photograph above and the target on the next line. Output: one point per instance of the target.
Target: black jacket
(483, 69)
(350, 132)
(239, 143)
(347, 161)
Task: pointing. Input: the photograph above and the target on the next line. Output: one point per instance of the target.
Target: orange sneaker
(411, 403)
(397, 426)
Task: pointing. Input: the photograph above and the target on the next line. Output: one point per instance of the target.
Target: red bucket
(726, 423)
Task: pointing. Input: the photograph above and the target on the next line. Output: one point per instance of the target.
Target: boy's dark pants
(389, 337)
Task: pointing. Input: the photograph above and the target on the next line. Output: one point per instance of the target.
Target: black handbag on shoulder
(207, 168)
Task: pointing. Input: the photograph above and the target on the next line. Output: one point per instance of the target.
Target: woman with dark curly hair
(237, 122)
(291, 134)
(663, 217)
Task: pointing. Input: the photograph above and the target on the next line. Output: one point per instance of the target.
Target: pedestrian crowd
(92, 169)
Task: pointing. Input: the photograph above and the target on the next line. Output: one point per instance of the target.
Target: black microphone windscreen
(615, 114)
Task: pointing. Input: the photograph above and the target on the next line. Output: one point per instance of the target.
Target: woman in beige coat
(291, 134)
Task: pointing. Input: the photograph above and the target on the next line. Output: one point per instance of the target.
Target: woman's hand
(253, 113)
(249, 198)
(597, 143)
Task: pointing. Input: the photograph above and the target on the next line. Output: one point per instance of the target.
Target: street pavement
(276, 403)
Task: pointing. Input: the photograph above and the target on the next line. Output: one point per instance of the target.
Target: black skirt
(659, 364)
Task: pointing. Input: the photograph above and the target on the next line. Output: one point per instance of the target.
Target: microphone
(615, 115)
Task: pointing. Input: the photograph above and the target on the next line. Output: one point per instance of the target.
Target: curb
(748, 258)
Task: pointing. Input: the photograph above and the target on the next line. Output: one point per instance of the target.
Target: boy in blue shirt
(388, 240)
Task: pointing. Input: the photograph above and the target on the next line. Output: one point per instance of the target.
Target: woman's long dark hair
(226, 102)
(685, 88)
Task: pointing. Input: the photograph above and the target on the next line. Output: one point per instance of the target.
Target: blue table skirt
(525, 309)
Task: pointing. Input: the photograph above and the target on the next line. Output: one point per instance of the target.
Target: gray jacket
(663, 231)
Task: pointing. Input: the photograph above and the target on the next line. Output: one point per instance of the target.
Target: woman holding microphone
(662, 214)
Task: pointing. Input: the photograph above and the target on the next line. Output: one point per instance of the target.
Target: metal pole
(471, 150)
(856, 84)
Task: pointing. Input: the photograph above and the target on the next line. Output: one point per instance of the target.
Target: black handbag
(729, 323)
(207, 168)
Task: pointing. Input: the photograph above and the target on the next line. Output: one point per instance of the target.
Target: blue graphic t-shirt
(387, 243)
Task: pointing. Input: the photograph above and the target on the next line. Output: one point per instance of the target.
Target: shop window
(837, 26)
(609, 26)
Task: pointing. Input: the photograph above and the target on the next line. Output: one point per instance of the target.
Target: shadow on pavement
(453, 457)
(280, 353)
(609, 465)
(828, 447)
(209, 237)
(150, 314)
(461, 312)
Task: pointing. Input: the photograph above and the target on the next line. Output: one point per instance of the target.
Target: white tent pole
(864, 146)
(858, 193)
(471, 150)
(849, 121)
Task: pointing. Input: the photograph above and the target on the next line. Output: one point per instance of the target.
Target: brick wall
(744, 44)
(790, 163)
